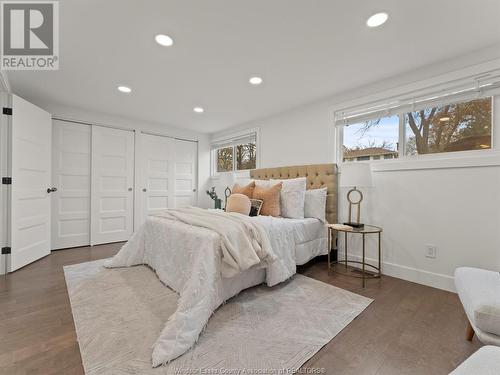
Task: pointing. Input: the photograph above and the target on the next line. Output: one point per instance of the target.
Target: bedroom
(118, 115)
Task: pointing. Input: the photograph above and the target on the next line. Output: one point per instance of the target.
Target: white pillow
(292, 197)
(315, 203)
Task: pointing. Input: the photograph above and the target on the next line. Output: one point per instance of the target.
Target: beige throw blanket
(244, 242)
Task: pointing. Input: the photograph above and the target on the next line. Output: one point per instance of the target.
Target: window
(455, 127)
(461, 125)
(236, 154)
(225, 159)
(246, 156)
(371, 139)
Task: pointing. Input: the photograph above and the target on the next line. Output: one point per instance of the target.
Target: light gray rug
(119, 313)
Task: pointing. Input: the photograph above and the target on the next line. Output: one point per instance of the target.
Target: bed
(188, 258)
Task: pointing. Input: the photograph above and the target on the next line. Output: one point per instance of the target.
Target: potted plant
(213, 194)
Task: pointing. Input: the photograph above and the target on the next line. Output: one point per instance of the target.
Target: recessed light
(164, 40)
(377, 19)
(255, 80)
(444, 119)
(124, 89)
(198, 110)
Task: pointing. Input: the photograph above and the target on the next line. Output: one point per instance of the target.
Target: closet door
(185, 171)
(112, 185)
(31, 136)
(157, 187)
(71, 177)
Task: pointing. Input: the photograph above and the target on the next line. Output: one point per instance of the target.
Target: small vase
(218, 203)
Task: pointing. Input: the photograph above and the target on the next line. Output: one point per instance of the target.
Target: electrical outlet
(430, 251)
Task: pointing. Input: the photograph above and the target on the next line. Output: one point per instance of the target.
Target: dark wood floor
(408, 329)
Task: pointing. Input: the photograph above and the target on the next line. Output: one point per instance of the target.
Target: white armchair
(486, 361)
(479, 292)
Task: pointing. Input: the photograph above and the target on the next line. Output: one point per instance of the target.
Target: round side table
(365, 274)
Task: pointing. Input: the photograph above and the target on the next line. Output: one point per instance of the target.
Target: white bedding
(188, 259)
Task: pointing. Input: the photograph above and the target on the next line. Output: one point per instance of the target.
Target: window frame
(228, 138)
(491, 156)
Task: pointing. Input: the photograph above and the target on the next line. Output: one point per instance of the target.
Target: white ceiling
(304, 50)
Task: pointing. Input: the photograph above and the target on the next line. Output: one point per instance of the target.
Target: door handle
(129, 189)
(144, 190)
(51, 190)
(194, 190)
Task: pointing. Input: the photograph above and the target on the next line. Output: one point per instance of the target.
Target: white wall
(456, 207)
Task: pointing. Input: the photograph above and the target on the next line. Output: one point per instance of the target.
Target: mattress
(311, 240)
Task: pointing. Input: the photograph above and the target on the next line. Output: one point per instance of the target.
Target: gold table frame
(365, 274)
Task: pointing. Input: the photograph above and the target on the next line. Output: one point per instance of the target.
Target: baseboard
(435, 280)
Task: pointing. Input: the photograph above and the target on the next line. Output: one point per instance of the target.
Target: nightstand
(354, 272)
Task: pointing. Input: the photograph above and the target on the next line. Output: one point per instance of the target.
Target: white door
(71, 177)
(112, 185)
(185, 171)
(157, 188)
(31, 131)
(4, 189)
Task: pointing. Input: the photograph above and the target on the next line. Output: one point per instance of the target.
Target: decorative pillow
(315, 203)
(292, 197)
(256, 206)
(262, 183)
(246, 190)
(270, 198)
(238, 203)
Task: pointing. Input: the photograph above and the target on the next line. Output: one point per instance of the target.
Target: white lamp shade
(356, 175)
(228, 179)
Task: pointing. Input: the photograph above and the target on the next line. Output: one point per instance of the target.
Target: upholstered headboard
(318, 176)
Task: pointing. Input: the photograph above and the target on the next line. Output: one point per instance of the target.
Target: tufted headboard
(318, 176)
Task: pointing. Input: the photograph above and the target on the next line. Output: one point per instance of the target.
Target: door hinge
(5, 250)
(6, 180)
(7, 111)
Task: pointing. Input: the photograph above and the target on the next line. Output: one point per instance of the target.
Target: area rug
(119, 313)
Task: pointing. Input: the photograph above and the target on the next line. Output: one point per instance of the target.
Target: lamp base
(356, 225)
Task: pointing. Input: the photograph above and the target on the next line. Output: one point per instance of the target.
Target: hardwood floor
(408, 329)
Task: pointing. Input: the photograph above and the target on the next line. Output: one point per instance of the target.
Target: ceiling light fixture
(198, 110)
(444, 119)
(377, 19)
(125, 89)
(164, 40)
(255, 81)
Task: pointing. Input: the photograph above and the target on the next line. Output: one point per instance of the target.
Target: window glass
(225, 159)
(455, 127)
(371, 140)
(246, 156)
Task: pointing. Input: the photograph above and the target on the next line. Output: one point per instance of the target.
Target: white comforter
(244, 242)
(188, 259)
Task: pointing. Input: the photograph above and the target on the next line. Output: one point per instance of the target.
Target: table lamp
(355, 175)
(227, 181)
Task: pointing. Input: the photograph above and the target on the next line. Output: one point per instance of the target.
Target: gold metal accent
(364, 273)
(352, 202)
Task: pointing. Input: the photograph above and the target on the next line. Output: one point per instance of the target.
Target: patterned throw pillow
(255, 207)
